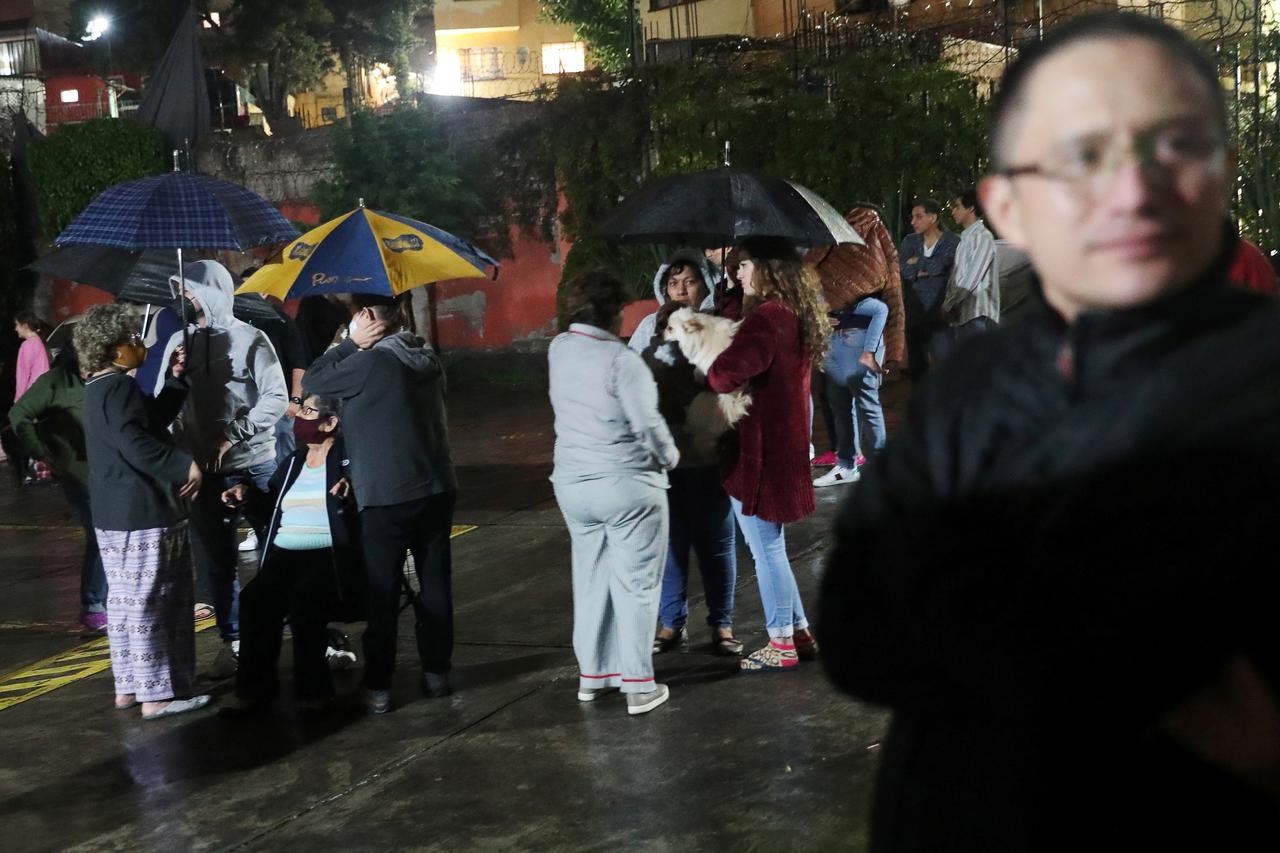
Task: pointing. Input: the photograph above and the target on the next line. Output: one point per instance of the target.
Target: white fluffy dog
(702, 337)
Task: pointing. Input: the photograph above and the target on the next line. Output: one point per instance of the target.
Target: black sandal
(670, 644)
(729, 646)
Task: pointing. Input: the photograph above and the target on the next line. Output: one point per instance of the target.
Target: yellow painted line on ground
(84, 660)
(69, 667)
(39, 626)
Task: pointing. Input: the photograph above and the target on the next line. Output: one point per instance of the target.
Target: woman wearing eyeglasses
(138, 487)
(310, 549)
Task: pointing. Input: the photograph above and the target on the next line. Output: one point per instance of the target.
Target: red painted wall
(519, 306)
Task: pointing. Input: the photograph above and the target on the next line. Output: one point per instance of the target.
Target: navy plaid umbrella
(178, 210)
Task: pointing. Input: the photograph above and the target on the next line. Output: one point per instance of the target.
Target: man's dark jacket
(1072, 532)
(393, 417)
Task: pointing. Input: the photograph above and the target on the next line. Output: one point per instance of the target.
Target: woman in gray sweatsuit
(613, 450)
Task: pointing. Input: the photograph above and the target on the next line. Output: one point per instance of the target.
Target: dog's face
(684, 325)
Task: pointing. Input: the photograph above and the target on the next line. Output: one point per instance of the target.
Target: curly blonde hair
(98, 332)
(781, 274)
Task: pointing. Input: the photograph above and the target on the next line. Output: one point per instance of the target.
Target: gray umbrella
(133, 277)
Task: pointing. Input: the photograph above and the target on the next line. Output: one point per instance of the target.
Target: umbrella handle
(182, 302)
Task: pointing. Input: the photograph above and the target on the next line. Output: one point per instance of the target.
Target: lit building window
(69, 96)
(213, 19)
(565, 57)
(481, 63)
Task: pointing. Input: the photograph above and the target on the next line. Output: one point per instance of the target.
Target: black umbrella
(720, 207)
(133, 277)
(176, 101)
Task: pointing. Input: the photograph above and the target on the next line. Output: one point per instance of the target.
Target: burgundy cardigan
(771, 475)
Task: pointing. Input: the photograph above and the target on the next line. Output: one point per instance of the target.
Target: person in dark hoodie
(393, 390)
(310, 542)
(1075, 627)
(237, 397)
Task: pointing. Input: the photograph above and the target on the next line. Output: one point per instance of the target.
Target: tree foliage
(279, 46)
(862, 127)
(284, 46)
(405, 163)
(607, 26)
(71, 167)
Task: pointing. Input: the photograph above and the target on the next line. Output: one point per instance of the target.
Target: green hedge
(75, 163)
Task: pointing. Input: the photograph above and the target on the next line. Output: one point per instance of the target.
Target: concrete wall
(281, 169)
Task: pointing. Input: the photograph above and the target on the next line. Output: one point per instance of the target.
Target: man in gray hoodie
(394, 420)
(227, 424)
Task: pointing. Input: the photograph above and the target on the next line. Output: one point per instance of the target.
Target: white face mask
(353, 325)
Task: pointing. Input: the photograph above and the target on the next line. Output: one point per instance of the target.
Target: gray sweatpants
(618, 527)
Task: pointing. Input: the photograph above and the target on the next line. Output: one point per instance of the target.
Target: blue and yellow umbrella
(368, 251)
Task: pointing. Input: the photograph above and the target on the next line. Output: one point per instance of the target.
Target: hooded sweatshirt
(711, 277)
(393, 418)
(237, 388)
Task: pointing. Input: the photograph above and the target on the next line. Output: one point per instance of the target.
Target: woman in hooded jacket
(701, 517)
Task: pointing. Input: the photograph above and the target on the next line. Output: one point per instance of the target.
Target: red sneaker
(828, 458)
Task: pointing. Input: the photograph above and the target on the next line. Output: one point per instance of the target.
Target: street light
(98, 25)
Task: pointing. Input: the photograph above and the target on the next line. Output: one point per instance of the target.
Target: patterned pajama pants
(149, 604)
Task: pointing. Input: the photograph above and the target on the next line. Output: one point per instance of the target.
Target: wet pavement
(510, 762)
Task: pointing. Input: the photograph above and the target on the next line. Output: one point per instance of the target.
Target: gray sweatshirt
(237, 388)
(606, 410)
(394, 419)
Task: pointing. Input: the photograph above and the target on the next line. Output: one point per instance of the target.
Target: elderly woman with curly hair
(784, 334)
(137, 479)
(612, 454)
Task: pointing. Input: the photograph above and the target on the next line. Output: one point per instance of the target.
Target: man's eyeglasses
(1167, 152)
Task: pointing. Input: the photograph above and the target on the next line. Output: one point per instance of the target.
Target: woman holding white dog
(612, 453)
(701, 517)
(784, 333)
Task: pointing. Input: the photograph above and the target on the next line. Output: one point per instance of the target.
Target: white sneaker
(591, 694)
(227, 661)
(339, 658)
(838, 476)
(643, 703)
(250, 542)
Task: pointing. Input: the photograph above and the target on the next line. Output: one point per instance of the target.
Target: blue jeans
(783, 610)
(701, 519)
(213, 542)
(853, 392)
(286, 441)
(93, 578)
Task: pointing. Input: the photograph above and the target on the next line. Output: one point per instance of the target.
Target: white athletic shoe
(838, 476)
(250, 542)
